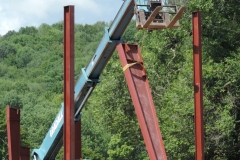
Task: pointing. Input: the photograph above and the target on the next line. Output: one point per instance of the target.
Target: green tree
(6, 49)
(23, 57)
(3, 135)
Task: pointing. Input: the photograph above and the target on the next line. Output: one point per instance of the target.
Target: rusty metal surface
(198, 91)
(13, 133)
(69, 126)
(142, 99)
(24, 153)
(78, 141)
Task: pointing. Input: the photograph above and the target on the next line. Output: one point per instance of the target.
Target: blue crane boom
(91, 73)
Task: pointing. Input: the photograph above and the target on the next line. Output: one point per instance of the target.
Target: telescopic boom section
(90, 74)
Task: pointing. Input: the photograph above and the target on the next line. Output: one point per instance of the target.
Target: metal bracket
(78, 117)
(108, 37)
(88, 79)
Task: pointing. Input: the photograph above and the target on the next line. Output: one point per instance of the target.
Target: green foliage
(3, 135)
(13, 99)
(128, 36)
(90, 154)
(9, 34)
(28, 30)
(6, 49)
(23, 57)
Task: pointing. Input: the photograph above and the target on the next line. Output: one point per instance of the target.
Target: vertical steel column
(13, 133)
(198, 94)
(138, 85)
(24, 153)
(78, 140)
(69, 126)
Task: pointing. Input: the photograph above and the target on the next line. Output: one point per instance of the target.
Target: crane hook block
(152, 15)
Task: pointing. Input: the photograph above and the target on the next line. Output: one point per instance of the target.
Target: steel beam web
(13, 132)
(138, 85)
(198, 91)
(69, 126)
(24, 153)
(78, 140)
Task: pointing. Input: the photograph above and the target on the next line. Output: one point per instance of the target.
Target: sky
(15, 14)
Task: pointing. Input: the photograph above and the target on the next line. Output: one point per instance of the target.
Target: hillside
(31, 79)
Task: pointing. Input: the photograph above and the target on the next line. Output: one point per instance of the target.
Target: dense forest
(31, 79)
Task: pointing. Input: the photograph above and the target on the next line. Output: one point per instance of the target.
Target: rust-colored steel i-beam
(24, 153)
(69, 126)
(78, 140)
(138, 85)
(15, 151)
(198, 91)
(13, 132)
